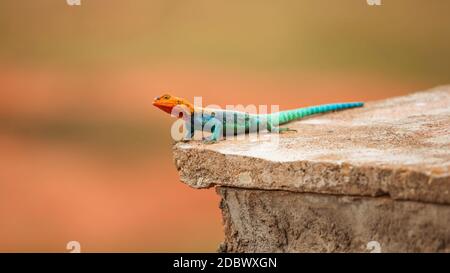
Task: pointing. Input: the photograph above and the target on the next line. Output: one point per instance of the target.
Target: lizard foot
(285, 130)
(209, 141)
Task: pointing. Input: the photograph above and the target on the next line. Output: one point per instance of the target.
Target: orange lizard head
(167, 102)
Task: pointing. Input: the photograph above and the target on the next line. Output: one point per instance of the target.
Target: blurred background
(85, 156)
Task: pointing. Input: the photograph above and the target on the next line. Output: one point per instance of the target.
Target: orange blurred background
(84, 155)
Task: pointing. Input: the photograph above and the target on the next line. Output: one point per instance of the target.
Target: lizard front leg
(190, 131)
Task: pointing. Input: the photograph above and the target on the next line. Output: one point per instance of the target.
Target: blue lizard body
(223, 123)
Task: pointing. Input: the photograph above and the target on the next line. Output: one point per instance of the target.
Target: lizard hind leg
(283, 130)
(280, 130)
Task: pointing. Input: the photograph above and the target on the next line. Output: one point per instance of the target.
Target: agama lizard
(224, 123)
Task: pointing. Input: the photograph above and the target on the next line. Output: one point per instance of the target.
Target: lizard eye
(166, 97)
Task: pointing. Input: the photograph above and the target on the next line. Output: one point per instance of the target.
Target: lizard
(222, 123)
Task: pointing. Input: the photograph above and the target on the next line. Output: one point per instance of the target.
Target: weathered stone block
(381, 172)
(282, 221)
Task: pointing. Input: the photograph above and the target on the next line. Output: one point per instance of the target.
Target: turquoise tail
(290, 115)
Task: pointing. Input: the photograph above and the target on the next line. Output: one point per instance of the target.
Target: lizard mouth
(163, 106)
(159, 103)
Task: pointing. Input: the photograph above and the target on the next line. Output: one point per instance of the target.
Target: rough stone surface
(399, 147)
(282, 221)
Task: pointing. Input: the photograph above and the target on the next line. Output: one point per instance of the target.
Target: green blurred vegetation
(109, 137)
(401, 38)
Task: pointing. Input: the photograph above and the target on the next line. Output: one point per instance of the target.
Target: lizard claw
(183, 140)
